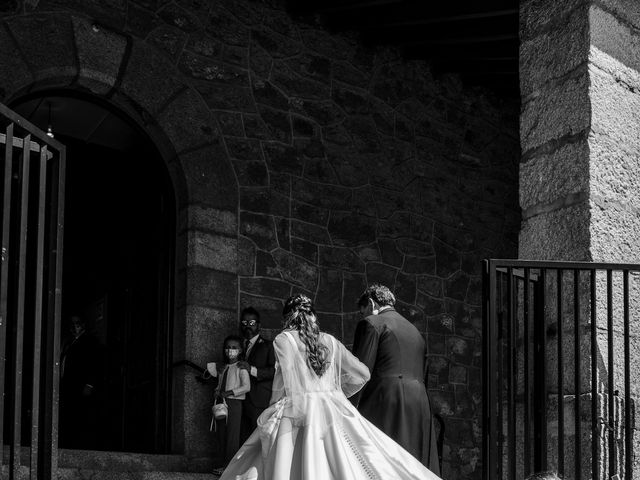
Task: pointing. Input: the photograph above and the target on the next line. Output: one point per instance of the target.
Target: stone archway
(63, 51)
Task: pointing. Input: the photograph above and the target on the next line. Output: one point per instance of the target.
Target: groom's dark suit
(395, 399)
(263, 358)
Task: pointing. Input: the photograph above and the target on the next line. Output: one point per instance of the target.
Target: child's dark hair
(235, 338)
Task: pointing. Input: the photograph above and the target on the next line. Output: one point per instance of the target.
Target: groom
(395, 399)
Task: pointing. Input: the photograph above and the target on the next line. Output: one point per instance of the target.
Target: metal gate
(560, 376)
(32, 196)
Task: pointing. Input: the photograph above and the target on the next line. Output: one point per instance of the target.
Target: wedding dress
(312, 432)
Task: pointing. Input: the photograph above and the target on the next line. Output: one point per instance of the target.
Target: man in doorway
(81, 380)
(260, 362)
(395, 399)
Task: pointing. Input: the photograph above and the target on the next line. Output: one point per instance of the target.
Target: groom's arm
(365, 347)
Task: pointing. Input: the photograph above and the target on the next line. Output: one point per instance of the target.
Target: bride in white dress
(311, 431)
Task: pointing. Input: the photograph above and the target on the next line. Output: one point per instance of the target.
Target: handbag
(219, 411)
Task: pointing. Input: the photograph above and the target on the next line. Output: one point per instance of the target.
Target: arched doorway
(120, 212)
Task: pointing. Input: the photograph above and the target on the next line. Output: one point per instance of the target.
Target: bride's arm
(353, 373)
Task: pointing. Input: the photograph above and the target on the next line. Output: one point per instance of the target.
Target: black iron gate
(558, 384)
(32, 209)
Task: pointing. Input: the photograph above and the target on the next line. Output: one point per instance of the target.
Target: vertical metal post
(5, 254)
(628, 446)
(37, 350)
(540, 373)
(577, 380)
(595, 429)
(16, 442)
(488, 358)
(560, 379)
(610, 391)
(527, 396)
(511, 387)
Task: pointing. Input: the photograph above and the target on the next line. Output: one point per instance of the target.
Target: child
(234, 383)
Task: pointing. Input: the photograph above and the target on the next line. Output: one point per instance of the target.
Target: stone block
(614, 231)
(381, 273)
(353, 287)
(140, 22)
(561, 234)
(100, 52)
(310, 232)
(283, 158)
(243, 148)
(352, 101)
(369, 253)
(168, 39)
(224, 26)
(111, 13)
(213, 220)
(320, 194)
(414, 248)
(612, 36)
(149, 79)
(264, 200)
(432, 307)
(302, 127)
(260, 229)
(178, 17)
(613, 106)
(564, 110)
(542, 62)
(341, 258)
(389, 252)
(413, 314)
(278, 46)
(15, 74)
(233, 55)
(430, 285)
(296, 270)
(419, 265)
(548, 177)
(456, 286)
(210, 179)
(304, 249)
(211, 288)
(188, 122)
(405, 288)
(330, 46)
(230, 123)
(329, 295)
(324, 112)
(204, 45)
(210, 70)
(251, 173)
(46, 42)
(206, 329)
(347, 73)
(221, 96)
(265, 287)
(542, 15)
(246, 256)
(213, 251)
(283, 231)
(624, 10)
(447, 259)
(267, 94)
(266, 265)
(311, 66)
(277, 123)
(319, 170)
(347, 229)
(332, 324)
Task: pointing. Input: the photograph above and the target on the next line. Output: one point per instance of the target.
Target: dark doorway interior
(117, 275)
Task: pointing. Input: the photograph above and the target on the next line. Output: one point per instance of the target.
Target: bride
(311, 431)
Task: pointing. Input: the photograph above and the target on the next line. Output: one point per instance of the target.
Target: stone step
(84, 474)
(100, 465)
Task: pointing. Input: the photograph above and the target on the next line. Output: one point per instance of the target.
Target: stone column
(580, 167)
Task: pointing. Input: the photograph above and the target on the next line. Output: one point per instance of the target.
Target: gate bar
(595, 429)
(511, 340)
(20, 314)
(560, 380)
(610, 400)
(4, 271)
(628, 453)
(36, 388)
(527, 421)
(576, 372)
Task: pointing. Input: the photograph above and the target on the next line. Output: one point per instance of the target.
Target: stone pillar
(580, 166)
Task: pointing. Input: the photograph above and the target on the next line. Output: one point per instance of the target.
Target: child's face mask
(232, 353)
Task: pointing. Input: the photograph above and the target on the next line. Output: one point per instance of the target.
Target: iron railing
(552, 402)
(32, 217)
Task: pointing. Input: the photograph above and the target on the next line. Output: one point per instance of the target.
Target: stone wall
(310, 164)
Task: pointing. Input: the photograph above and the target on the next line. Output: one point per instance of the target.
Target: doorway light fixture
(49, 130)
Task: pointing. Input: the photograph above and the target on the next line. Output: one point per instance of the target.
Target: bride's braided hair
(300, 315)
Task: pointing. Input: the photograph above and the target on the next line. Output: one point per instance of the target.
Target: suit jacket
(395, 399)
(263, 358)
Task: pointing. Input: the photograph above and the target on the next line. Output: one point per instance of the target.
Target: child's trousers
(229, 430)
